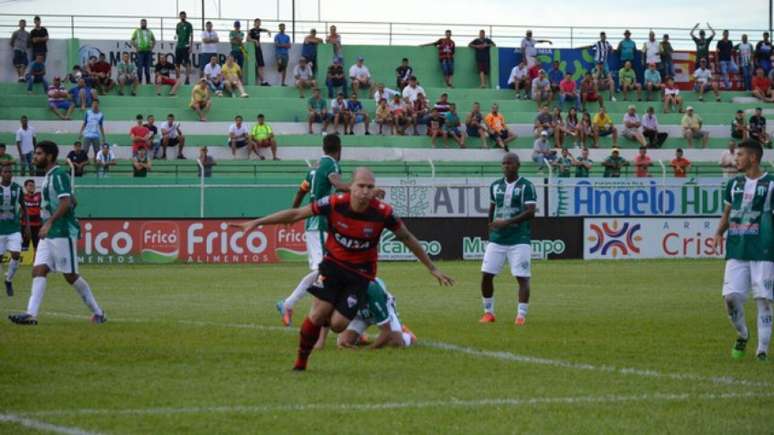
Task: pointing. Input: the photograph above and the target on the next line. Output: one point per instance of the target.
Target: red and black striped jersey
(353, 238)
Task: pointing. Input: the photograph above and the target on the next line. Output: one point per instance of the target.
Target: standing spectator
(583, 164)
(254, 37)
(761, 86)
(728, 160)
(652, 79)
(360, 76)
(155, 142)
(206, 161)
(589, 91)
(105, 159)
(451, 127)
(568, 92)
(127, 74)
(481, 45)
(703, 81)
(92, 130)
(236, 38)
(474, 124)
(383, 116)
(603, 126)
(725, 56)
(20, 42)
(37, 73)
(339, 113)
(672, 96)
(184, 35)
(497, 129)
(31, 219)
(627, 78)
(542, 154)
(209, 47)
(413, 89)
(172, 135)
(651, 53)
(541, 90)
(335, 78)
(143, 42)
(665, 50)
(5, 158)
(101, 73)
(357, 114)
(232, 77)
(555, 76)
(201, 99)
(633, 126)
(613, 164)
(141, 164)
(317, 108)
(78, 158)
(642, 163)
(213, 74)
(650, 129)
(745, 50)
(691, 125)
(309, 49)
(602, 50)
(702, 43)
(282, 52)
(334, 39)
(163, 72)
(763, 52)
(403, 74)
(519, 80)
(59, 100)
(758, 128)
(39, 39)
(680, 164)
(446, 49)
(26, 142)
(303, 74)
(627, 49)
(603, 79)
(238, 136)
(739, 128)
(139, 135)
(528, 49)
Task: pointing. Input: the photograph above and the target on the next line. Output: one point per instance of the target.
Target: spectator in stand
(93, 131)
(571, 126)
(78, 158)
(141, 164)
(739, 128)
(282, 52)
(680, 164)
(383, 116)
(642, 163)
(400, 118)
(434, 125)
(201, 99)
(691, 125)
(482, 46)
(627, 50)
(602, 50)
(652, 79)
(627, 78)
(603, 126)
(208, 47)
(650, 51)
(184, 36)
(32, 201)
(603, 79)
(528, 49)
(5, 158)
(360, 76)
(75, 74)
(88, 71)
(544, 121)
(163, 76)
(105, 159)
(541, 90)
(474, 124)
(555, 76)
(238, 136)
(728, 160)
(745, 50)
(357, 114)
(37, 73)
(82, 95)
(702, 43)
(382, 92)
(403, 74)
(725, 57)
(303, 73)
(171, 136)
(139, 135)
(236, 38)
(101, 74)
(446, 49)
(127, 74)
(763, 52)
(39, 39)
(412, 90)
(650, 129)
(335, 78)
(665, 50)
(633, 126)
(497, 129)
(542, 154)
(761, 87)
(583, 164)
(317, 108)
(206, 161)
(20, 42)
(339, 112)
(155, 142)
(563, 164)
(334, 39)
(558, 126)
(261, 137)
(232, 77)
(451, 127)
(672, 96)
(143, 42)
(568, 92)
(26, 142)
(59, 100)
(420, 113)
(703, 81)
(213, 74)
(443, 103)
(586, 129)
(590, 92)
(613, 164)
(519, 80)
(758, 128)
(309, 49)
(254, 37)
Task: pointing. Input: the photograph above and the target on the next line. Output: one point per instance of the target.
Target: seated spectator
(761, 86)
(586, 129)
(642, 163)
(37, 73)
(451, 127)
(568, 92)
(571, 126)
(603, 126)
(627, 78)
(563, 164)
(101, 74)
(650, 129)
(105, 159)
(261, 137)
(558, 126)
(728, 160)
(758, 128)
(26, 141)
(383, 116)
(92, 129)
(739, 128)
(652, 80)
(213, 73)
(541, 89)
(542, 154)
(139, 135)
(703, 81)
(232, 77)
(633, 126)
(399, 113)
(680, 164)
(339, 112)
(82, 95)
(420, 113)
(357, 114)
(200, 99)
(317, 108)
(474, 124)
(435, 125)
(163, 76)
(603, 79)
(443, 103)
(411, 91)
(127, 74)
(141, 164)
(691, 125)
(519, 81)
(382, 92)
(672, 96)
(335, 78)
(88, 71)
(238, 136)
(171, 136)
(360, 76)
(206, 161)
(78, 158)
(75, 75)
(303, 73)
(403, 74)
(155, 142)
(613, 164)
(583, 164)
(59, 100)
(589, 91)
(497, 129)
(555, 76)
(5, 158)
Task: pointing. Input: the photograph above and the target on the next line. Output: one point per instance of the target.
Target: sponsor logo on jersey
(352, 244)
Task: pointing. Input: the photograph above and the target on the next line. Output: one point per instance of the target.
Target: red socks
(308, 337)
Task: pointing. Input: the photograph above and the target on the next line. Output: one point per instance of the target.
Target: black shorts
(346, 290)
(20, 57)
(483, 66)
(182, 56)
(172, 141)
(258, 56)
(240, 143)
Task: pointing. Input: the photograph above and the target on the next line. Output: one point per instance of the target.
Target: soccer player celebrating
(748, 218)
(356, 220)
(511, 208)
(11, 202)
(319, 183)
(58, 236)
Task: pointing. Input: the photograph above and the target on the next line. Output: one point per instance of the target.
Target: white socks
(13, 266)
(764, 325)
(38, 290)
(523, 309)
(82, 287)
(735, 309)
(300, 291)
(489, 304)
(406, 339)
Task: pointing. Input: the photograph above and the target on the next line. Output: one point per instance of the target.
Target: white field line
(504, 402)
(42, 425)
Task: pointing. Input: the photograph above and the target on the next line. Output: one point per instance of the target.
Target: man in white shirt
(209, 46)
(519, 80)
(728, 160)
(105, 159)
(25, 144)
(172, 135)
(214, 75)
(238, 135)
(703, 81)
(303, 73)
(528, 50)
(386, 93)
(632, 126)
(412, 90)
(650, 51)
(745, 50)
(360, 76)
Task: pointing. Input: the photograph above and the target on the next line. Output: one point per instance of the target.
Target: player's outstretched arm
(411, 242)
(287, 216)
(386, 338)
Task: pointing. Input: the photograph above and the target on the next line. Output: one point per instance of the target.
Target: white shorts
(743, 276)
(359, 325)
(631, 133)
(519, 257)
(10, 243)
(314, 247)
(58, 254)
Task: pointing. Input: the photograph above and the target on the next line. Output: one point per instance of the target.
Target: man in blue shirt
(281, 51)
(357, 114)
(627, 49)
(37, 73)
(92, 131)
(83, 95)
(555, 76)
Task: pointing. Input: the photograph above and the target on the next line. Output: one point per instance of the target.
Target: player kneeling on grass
(11, 202)
(748, 218)
(58, 238)
(511, 208)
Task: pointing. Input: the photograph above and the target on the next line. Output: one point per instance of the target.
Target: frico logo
(614, 241)
(160, 242)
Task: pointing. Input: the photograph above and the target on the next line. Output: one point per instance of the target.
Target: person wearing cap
(739, 128)
(603, 125)
(232, 77)
(254, 37)
(446, 50)
(691, 125)
(758, 128)
(303, 76)
(704, 81)
(761, 86)
(143, 42)
(680, 165)
(309, 49)
(672, 96)
(481, 45)
(105, 159)
(652, 80)
(650, 50)
(262, 136)
(702, 43)
(282, 51)
(201, 99)
(403, 74)
(59, 100)
(627, 78)
(37, 73)
(542, 154)
(627, 49)
(613, 164)
(650, 129)
(541, 89)
(632, 126)
(665, 50)
(642, 163)
(236, 38)
(603, 79)
(360, 76)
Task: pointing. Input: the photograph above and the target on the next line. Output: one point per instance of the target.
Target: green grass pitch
(609, 347)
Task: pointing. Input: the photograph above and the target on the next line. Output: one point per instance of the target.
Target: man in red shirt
(32, 201)
(568, 91)
(642, 163)
(446, 50)
(140, 136)
(761, 86)
(680, 164)
(101, 72)
(356, 220)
